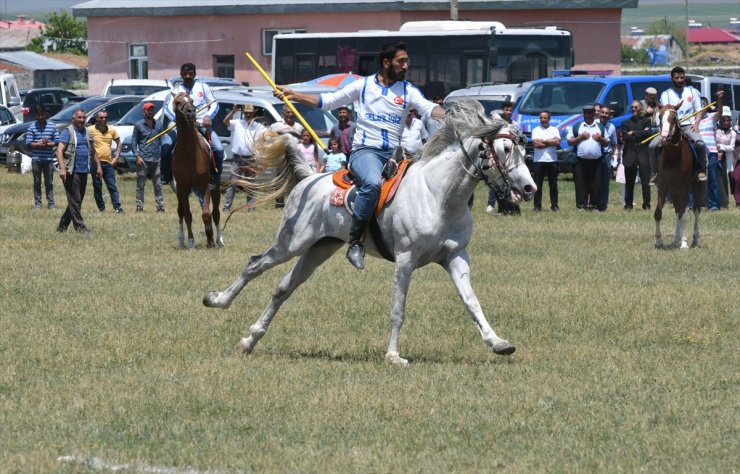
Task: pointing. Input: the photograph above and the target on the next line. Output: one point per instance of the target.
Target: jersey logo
(689, 98)
(200, 93)
(398, 100)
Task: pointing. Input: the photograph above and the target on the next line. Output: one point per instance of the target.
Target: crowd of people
(598, 147)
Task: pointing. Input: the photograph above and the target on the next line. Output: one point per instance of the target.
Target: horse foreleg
(300, 272)
(458, 266)
(679, 238)
(216, 216)
(401, 282)
(658, 216)
(206, 216)
(695, 239)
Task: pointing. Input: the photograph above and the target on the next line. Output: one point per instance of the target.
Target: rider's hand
(206, 121)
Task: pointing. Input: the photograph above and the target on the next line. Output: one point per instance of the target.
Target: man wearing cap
(344, 130)
(725, 138)
(590, 142)
(244, 131)
(148, 155)
(651, 109)
(688, 99)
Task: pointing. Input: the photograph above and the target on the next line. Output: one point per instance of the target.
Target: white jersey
(243, 135)
(201, 95)
(381, 111)
(691, 102)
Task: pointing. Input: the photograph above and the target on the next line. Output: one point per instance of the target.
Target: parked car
(213, 82)
(7, 118)
(13, 140)
(267, 109)
(53, 98)
(491, 96)
(9, 95)
(142, 87)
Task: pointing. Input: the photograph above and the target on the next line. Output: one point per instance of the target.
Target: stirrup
(356, 255)
(701, 176)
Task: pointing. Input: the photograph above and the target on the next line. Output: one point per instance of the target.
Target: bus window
(473, 70)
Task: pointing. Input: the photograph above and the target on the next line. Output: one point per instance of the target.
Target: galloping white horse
(428, 221)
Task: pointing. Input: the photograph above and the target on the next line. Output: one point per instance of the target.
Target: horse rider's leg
(366, 164)
(300, 272)
(401, 281)
(700, 163)
(458, 266)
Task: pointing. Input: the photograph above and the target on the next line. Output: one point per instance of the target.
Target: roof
(712, 35)
(16, 39)
(95, 8)
(34, 61)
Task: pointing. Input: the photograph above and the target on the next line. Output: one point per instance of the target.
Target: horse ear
(172, 94)
(678, 106)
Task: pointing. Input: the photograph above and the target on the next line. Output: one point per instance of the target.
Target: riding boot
(356, 251)
(216, 172)
(701, 166)
(655, 162)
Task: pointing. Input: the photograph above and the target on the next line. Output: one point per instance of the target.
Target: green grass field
(627, 356)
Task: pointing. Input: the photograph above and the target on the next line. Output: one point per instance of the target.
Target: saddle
(345, 192)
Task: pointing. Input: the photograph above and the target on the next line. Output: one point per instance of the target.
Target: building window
(138, 61)
(223, 66)
(268, 34)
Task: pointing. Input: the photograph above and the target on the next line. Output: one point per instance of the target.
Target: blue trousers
(714, 174)
(109, 176)
(366, 164)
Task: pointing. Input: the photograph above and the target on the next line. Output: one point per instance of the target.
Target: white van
(491, 96)
(709, 85)
(9, 96)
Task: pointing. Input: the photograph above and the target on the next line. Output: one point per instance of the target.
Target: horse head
(185, 112)
(668, 117)
(496, 144)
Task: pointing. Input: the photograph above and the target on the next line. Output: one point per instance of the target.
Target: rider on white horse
(382, 102)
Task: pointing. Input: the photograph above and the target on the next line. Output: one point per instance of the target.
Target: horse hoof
(503, 348)
(243, 347)
(211, 300)
(394, 358)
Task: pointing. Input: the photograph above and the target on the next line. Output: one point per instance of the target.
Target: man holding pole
(206, 108)
(689, 116)
(382, 102)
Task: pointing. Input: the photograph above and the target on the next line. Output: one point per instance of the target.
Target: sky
(35, 8)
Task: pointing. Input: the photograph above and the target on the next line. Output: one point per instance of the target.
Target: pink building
(152, 38)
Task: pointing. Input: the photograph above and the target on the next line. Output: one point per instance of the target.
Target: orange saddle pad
(343, 180)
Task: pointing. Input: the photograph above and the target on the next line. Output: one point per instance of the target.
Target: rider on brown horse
(207, 107)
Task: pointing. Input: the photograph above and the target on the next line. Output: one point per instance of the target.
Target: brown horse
(191, 168)
(676, 177)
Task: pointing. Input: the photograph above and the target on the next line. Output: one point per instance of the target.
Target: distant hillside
(714, 13)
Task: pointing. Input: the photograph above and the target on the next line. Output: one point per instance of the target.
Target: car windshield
(560, 98)
(135, 90)
(137, 112)
(65, 115)
(316, 118)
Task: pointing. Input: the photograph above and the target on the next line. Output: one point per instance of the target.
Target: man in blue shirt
(147, 157)
(42, 137)
(73, 153)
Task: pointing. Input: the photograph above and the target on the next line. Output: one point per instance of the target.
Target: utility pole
(686, 9)
(453, 9)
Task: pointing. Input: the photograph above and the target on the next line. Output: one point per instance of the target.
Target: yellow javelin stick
(172, 125)
(289, 104)
(685, 118)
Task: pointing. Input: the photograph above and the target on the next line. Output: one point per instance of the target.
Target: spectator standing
(310, 152)
(605, 113)
(651, 109)
(74, 157)
(335, 159)
(42, 137)
(545, 140)
(148, 156)
(725, 138)
(707, 128)
(244, 131)
(102, 137)
(413, 137)
(636, 155)
(589, 139)
(344, 130)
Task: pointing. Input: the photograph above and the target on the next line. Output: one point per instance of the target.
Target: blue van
(564, 98)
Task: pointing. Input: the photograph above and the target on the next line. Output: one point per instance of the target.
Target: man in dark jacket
(636, 155)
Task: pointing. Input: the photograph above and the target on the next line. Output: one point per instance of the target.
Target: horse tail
(278, 153)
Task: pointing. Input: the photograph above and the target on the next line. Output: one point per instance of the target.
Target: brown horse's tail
(278, 153)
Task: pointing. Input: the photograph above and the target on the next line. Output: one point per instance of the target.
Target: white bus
(445, 55)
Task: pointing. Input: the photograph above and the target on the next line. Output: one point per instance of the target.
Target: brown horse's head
(184, 110)
(669, 128)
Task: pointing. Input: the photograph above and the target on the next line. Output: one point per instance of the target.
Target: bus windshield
(560, 98)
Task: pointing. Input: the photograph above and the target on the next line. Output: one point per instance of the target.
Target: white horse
(428, 221)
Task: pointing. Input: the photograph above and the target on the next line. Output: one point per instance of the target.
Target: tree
(665, 27)
(63, 33)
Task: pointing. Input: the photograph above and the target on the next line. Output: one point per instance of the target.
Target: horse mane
(463, 118)
(277, 151)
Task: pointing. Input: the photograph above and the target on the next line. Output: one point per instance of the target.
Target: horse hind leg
(206, 216)
(658, 215)
(695, 239)
(300, 272)
(679, 238)
(216, 216)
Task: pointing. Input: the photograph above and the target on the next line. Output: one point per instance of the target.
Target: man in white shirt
(205, 103)
(244, 131)
(690, 103)
(589, 140)
(381, 103)
(413, 137)
(545, 140)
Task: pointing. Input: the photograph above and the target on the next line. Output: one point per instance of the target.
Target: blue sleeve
(64, 136)
(135, 140)
(55, 135)
(30, 135)
(208, 94)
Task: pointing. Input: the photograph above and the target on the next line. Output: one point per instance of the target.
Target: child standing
(335, 160)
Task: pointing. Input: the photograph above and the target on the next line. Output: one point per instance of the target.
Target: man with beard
(382, 102)
(344, 130)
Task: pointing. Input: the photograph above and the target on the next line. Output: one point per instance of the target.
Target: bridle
(672, 135)
(487, 159)
(187, 109)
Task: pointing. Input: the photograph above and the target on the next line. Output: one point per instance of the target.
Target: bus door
(474, 69)
(367, 64)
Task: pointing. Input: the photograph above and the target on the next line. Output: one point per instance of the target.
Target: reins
(487, 151)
